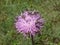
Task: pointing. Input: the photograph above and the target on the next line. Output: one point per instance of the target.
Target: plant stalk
(32, 39)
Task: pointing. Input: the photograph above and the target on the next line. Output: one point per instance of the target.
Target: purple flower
(29, 22)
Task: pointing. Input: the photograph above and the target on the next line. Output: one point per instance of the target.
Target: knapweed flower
(29, 22)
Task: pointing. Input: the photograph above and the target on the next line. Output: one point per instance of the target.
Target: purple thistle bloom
(29, 22)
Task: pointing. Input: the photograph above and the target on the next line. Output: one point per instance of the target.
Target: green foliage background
(50, 11)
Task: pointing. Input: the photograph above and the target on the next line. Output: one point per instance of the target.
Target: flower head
(29, 22)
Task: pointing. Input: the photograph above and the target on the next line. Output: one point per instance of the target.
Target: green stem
(32, 39)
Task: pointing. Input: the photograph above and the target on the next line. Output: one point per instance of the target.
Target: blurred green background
(49, 10)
